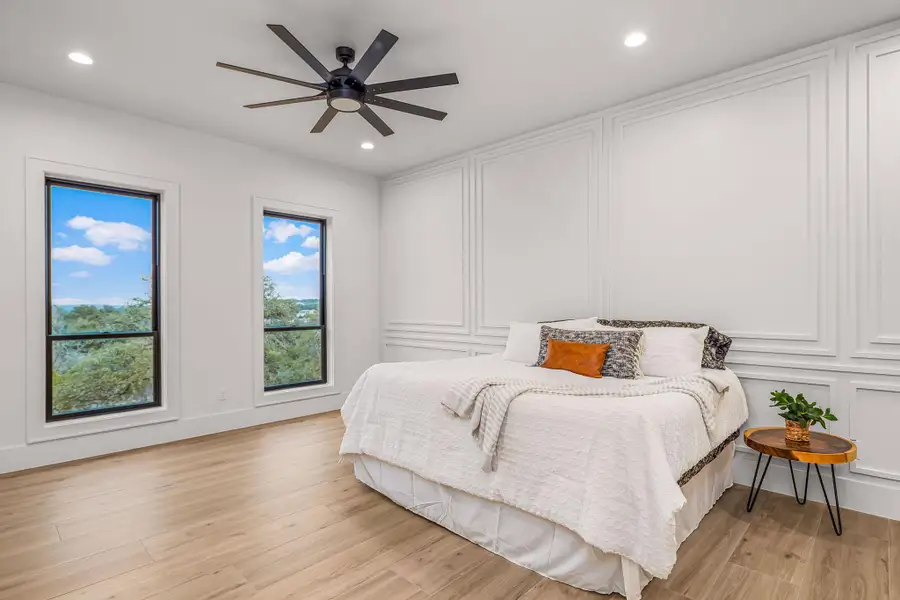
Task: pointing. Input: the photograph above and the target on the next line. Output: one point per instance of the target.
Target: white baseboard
(857, 492)
(29, 456)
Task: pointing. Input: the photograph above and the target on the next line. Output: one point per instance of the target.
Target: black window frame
(153, 333)
(323, 310)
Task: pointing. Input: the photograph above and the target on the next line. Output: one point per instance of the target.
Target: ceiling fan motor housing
(345, 93)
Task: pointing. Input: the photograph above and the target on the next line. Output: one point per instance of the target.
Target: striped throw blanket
(485, 401)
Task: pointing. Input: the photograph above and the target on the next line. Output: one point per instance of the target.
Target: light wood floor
(269, 513)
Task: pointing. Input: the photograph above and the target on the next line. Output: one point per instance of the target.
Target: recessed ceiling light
(635, 39)
(81, 58)
(367, 145)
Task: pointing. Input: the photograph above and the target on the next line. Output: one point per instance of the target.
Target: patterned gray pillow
(714, 349)
(623, 359)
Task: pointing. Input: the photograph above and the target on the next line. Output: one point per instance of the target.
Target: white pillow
(524, 342)
(671, 351)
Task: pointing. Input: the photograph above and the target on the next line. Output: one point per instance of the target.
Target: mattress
(534, 542)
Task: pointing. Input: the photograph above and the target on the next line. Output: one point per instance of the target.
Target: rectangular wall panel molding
(425, 250)
(874, 188)
(399, 350)
(873, 407)
(732, 183)
(535, 205)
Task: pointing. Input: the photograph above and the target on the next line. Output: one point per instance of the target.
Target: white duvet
(605, 467)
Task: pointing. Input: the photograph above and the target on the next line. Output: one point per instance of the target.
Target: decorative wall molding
(590, 132)
(430, 350)
(815, 71)
(868, 225)
(812, 364)
(487, 350)
(459, 326)
(859, 466)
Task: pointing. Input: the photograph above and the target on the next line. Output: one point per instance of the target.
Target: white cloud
(124, 236)
(282, 231)
(80, 274)
(312, 242)
(62, 235)
(88, 256)
(293, 262)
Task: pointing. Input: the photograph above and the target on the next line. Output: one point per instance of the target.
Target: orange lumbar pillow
(584, 359)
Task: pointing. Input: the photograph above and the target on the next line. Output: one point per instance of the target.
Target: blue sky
(100, 247)
(291, 256)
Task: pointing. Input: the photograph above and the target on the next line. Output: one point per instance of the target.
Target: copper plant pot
(794, 432)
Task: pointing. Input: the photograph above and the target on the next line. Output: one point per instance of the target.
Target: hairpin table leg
(805, 487)
(839, 525)
(752, 499)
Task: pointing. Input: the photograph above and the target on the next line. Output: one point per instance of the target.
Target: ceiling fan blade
(324, 120)
(314, 86)
(286, 101)
(294, 44)
(375, 121)
(374, 55)
(412, 109)
(416, 83)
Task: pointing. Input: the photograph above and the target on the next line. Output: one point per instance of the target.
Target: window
(102, 313)
(294, 339)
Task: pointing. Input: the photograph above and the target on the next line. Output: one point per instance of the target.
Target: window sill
(296, 394)
(89, 425)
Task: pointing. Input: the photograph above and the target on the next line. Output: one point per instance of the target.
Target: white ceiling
(522, 64)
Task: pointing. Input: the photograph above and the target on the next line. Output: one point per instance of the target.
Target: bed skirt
(531, 541)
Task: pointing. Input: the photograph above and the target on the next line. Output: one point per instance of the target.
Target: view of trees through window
(293, 301)
(102, 343)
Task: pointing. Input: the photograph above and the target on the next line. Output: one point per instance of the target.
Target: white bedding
(606, 468)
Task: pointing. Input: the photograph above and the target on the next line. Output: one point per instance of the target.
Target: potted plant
(799, 414)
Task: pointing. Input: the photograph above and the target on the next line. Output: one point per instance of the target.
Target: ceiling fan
(345, 89)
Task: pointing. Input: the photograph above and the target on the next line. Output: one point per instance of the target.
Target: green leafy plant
(799, 409)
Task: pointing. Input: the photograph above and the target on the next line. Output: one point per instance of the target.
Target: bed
(596, 492)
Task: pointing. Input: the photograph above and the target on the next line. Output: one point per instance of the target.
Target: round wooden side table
(822, 449)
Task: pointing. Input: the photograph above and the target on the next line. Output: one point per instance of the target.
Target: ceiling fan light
(345, 99)
(347, 105)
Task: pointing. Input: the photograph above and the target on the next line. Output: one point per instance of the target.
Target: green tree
(290, 356)
(87, 318)
(277, 311)
(91, 374)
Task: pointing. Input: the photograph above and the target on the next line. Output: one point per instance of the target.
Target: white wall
(217, 180)
(765, 201)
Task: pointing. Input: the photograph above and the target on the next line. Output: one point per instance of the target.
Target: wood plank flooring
(269, 513)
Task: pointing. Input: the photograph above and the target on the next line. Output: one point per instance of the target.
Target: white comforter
(606, 468)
